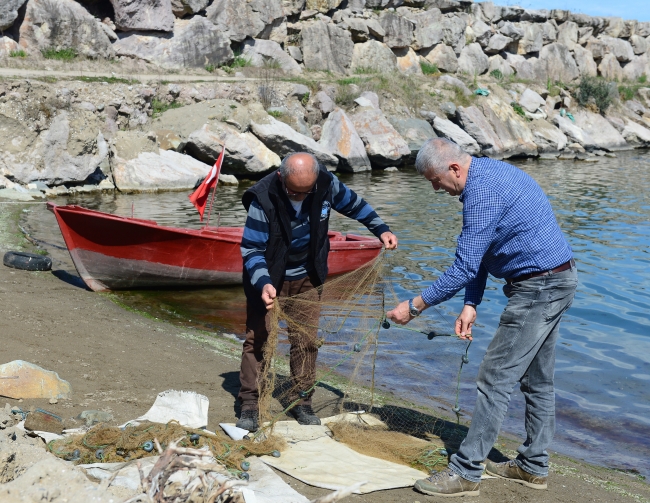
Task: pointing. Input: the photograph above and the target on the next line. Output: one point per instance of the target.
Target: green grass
(626, 93)
(18, 54)
(365, 71)
(594, 89)
(642, 79)
(61, 55)
(428, 68)
(108, 80)
(348, 81)
(518, 108)
(275, 113)
(159, 107)
(209, 68)
(497, 74)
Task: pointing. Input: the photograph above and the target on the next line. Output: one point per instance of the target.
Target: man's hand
(400, 314)
(268, 294)
(389, 239)
(465, 321)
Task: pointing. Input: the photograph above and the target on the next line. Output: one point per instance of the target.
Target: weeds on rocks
(209, 68)
(18, 54)
(345, 96)
(158, 107)
(519, 110)
(594, 90)
(428, 68)
(61, 55)
(626, 93)
(497, 74)
(108, 80)
(642, 79)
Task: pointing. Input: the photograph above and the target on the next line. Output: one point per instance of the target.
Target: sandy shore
(117, 360)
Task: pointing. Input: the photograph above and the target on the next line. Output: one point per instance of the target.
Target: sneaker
(510, 470)
(304, 414)
(248, 420)
(447, 484)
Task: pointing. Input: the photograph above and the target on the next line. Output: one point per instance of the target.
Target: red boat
(119, 253)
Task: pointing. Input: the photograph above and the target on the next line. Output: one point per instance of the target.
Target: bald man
(285, 247)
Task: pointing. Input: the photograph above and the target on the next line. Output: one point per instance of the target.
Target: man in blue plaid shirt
(509, 231)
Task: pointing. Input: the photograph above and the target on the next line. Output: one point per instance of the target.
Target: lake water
(603, 356)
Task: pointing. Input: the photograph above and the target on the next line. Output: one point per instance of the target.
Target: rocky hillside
(361, 86)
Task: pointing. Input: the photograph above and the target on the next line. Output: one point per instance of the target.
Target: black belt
(567, 265)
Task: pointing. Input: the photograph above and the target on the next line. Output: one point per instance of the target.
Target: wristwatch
(413, 311)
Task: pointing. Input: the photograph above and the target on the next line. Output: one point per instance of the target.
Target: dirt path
(117, 360)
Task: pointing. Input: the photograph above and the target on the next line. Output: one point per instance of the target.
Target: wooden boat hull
(119, 253)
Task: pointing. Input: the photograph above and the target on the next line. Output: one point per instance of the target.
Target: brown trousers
(302, 355)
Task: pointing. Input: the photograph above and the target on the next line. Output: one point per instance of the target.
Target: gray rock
(450, 81)
(547, 137)
(512, 30)
(476, 125)
(356, 6)
(9, 12)
(308, 14)
(244, 152)
(643, 29)
(323, 6)
(453, 32)
(293, 7)
(182, 8)
(591, 131)
(324, 103)
(619, 48)
(488, 11)
(618, 123)
(339, 137)
(472, 61)
(559, 62)
(295, 52)
(414, 131)
(533, 39)
(239, 19)
(262, 52)
(7, 45)
(399, 30)
(496, 62)
(384, 146)
(636, 134)
(363, 102)
(549, 32)
(327, 47)
(153, 15)
(371, 97)
(610, 68)
(559, 15)
(497, 43)
(568, 34)
(374, 56)
(300, 91)
(616, 27)
(451, 131)
(482, 32)
(408, 62)
(597, 48)
(640, 45)
(91, 417)
(511, 13)
(535, 16)
(584, 34)
(531, 101)
(151, 172)
(585, 62)
(446, 5)
(639, 66)
(448, 108)
(63, 24)
(194, 43)
(283, 140)
(428, 29)
(358, 29)
(443, 57)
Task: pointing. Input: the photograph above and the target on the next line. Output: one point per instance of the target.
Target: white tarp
(187, 407)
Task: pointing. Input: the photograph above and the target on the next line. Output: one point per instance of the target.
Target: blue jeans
(523, 350)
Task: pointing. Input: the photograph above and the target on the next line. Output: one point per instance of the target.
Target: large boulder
(399, 30)
(472, 61)
(549, 32)
(195, 43)
(327, 47)
(476, 125)
(443, 57)
(500, 64)
(447, 129)
(239, 19)
(323, 6)
(620, 48)
(408, 61)
(482, 32)
(585, 62)
(531, 101)
(428, 28)
(374, 56)
(610, 68)
(547, 137)
(636, 134)
(244, 152)
(70, 150)
(182, 8)
(155, 15)
(497, 43)
(640, 44)
(415, 131)
(639, 66)
(262, 52)
(283, 140)
(339, 137)
(453, 32)
(63, 24)
(559, 62)
(527, 68)
(568, 35)
(154, 171)
(7, 46)
(533, 39)
(9, 12)
(384, 145)
(591, 130)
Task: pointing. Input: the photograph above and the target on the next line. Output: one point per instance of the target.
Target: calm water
(603, 358)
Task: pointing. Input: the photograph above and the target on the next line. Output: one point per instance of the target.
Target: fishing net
(406, 377)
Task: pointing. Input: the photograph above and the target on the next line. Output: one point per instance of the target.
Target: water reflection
(603, 358)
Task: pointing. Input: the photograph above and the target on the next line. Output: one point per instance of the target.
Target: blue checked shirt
(509, 229)
(256, 233)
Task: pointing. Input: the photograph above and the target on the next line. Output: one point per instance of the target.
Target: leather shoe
(304, 414)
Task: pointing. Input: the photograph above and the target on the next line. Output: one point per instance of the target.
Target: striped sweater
(256, 233)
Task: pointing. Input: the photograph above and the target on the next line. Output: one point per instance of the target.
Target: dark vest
(274, 201)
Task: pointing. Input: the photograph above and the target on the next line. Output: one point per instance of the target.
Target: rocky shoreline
(359, 85)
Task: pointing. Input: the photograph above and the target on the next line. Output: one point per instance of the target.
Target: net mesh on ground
(406, 378)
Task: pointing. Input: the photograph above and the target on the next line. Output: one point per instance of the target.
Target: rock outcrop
(150, 15)
(339, 137)
(384, 145)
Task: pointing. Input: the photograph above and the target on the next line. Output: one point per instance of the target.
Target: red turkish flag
(199, 197)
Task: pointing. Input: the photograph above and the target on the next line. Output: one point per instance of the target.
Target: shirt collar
(471, 173)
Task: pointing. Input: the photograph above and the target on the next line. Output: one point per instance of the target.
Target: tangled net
(406, 377)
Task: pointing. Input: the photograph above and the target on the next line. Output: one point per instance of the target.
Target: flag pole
(214, 191)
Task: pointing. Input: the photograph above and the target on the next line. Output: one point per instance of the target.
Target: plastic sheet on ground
(188, 408)
(264, 486)
(315, 458)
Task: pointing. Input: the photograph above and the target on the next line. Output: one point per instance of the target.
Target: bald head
(299, 173)
(437, 154)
